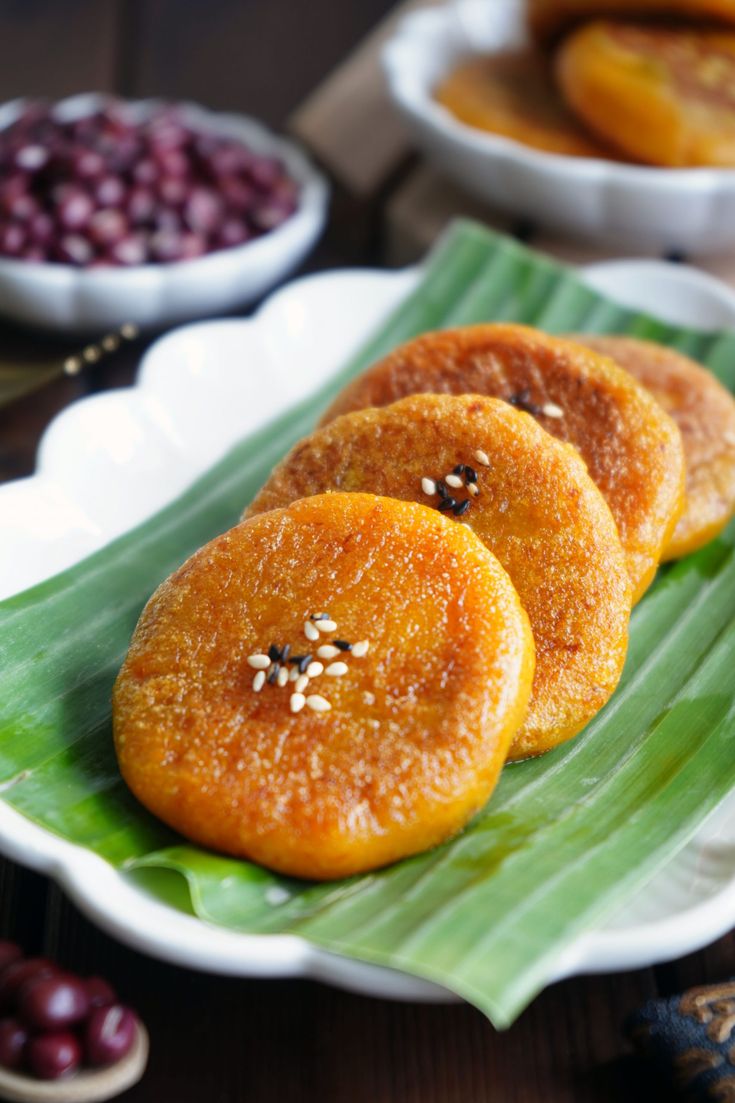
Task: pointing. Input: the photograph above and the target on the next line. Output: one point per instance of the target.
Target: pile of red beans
(104, 190)
(53, 1022)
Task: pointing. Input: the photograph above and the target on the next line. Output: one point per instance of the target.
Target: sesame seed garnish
(318, 703)
(313, 670)
(522, 401)
(294, 674)
(343, 645)
(336, 670)
(285, 652)
(442, 490)
(446, 504)
(550, 409)
(259, 662)
(301, 683)
(304, 661)
(310, 630)
(461, 508)
(361, 648)
(273, 673)
(473, 489)
(482, 458)
(454, 481)
(327, 651)
(459, 469)
(326, 626)
(274, 653)
(428, 486)
(297, 702)
(319, 616)
(470, 474)
(259, 681)
(282, 676)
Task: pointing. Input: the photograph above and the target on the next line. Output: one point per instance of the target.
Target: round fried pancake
(537, 509)
(515, 96)
(661, 95)
(632, 448)
(705, 413)
(418, 728)
(550, 17)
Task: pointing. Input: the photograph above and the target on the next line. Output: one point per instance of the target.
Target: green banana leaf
(565, 840)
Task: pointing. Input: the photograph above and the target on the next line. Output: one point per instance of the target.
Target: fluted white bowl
(68, 299)
(682, 210)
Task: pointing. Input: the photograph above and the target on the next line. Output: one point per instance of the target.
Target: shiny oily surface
(661, 95)
(705, 413)
(418, 728)
(537, 510)
(515, 96)
(549, 17)
(632, 448)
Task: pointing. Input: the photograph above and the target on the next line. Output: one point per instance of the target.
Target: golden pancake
(662, 95)
(705, 413)
(632, 448)
(513, 95)
(534, 506)
(389, 749)
(548, 18)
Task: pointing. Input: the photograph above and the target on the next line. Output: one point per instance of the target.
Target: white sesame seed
(311, 631)
(293, 674)
(313, 670)
(259, 662)
(318, 703)
(336, 670)
(282, 676)
(473, 489)
(428, 486)
(301, 683)
(297, 702)
(552, 410)
(328, 651)
(453, 481)
(482, 457)
(259, 681)
(361, 648)
(326, 626)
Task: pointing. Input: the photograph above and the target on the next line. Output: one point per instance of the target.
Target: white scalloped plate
(110, 460)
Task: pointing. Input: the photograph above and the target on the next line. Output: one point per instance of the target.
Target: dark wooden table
(216, 1039)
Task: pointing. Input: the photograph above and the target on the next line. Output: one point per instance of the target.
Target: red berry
(15, 976)
(13, 1039)
(110, 1034)
(53, 1056)
(53, 1003)
(9, 952)
(99, 992)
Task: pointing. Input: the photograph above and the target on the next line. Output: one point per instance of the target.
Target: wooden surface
(218, 1039)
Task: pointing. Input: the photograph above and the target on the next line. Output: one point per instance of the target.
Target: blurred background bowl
(634, 206)
(69, 299)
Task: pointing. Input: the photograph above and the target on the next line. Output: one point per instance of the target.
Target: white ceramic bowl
(76, 300)
(687, 210)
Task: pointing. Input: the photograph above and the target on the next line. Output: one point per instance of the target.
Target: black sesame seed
(304, 661)
(285, 652)
(459, 469)
(273, 674)
(442, 490)
(461, 508)
(319, 616)
(343, 645)
(295, 658)
(523, 401)
(447, 504)
(274, 653)
(470, 474)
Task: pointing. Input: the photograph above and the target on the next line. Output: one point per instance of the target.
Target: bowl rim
(313, 187)
(412, 94)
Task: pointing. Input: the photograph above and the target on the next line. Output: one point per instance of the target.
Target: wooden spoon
(87, 1086)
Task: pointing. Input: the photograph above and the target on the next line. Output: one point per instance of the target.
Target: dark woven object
(691, 1038)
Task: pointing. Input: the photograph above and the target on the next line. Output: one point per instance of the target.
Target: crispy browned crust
(419, 727)
(538, 511)
(632, 448)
